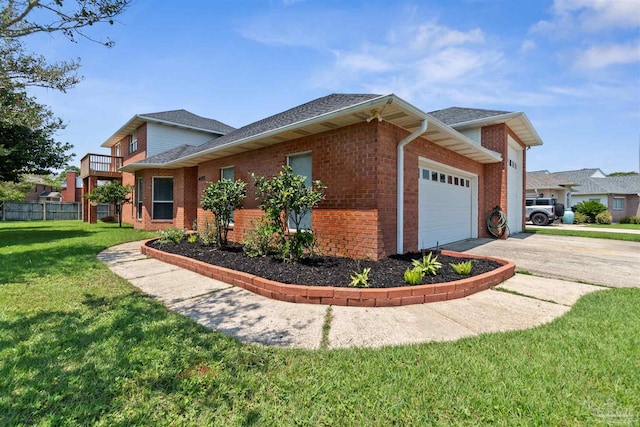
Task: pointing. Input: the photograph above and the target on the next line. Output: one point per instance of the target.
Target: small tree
(222, 198)
(286, 197)
(590, 208)
(113, 193)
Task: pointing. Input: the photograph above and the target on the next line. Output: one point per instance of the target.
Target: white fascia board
(503, 118)
(292, 126)
(108, 143)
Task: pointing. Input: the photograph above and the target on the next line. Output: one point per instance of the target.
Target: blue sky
(573, 66)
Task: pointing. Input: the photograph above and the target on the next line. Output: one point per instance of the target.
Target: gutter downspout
(400, 186)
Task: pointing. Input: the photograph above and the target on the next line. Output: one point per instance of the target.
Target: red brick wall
(69, 194)
(495, 185)
(146, 223)
(129, 210)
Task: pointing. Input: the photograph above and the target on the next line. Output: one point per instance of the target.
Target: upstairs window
(133, 143)
(116, 150)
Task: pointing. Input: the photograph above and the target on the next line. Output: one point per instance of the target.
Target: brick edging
(360, 297)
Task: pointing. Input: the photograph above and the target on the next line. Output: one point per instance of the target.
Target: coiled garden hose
(497, 223)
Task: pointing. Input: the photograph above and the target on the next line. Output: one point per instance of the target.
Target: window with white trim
(133, 143)
(618, 203)
(301, 165)
(139, 194)
(162, 207)
(229, 173)
(116, 150)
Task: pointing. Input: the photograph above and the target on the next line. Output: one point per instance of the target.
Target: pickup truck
(543, 210)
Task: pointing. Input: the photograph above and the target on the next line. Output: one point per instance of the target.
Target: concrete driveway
(597, 261)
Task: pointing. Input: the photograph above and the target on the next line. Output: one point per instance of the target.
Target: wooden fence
(46, 211)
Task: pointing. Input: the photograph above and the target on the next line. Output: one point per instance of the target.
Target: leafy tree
(29, 152)
(20, 69)
(623, 174)
(590, 208)
(62, 176)
(222, 198)
(286, 197)
(14, 191)
(113, 193)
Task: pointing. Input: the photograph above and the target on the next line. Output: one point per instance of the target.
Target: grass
(586, 233)
(620, 226)
(81, 346)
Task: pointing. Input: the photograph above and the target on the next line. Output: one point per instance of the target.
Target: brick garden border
(329, 295)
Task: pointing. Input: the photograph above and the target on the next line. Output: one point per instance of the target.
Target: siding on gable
(473, 134)
(161, 138)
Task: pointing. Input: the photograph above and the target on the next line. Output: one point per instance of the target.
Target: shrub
(462, 268)
(604, 218)
(360, 280)
(284, 198)
(192, 238)
(222, 198)
(630, 220)
(172, 235)
(261, 239)
(590, 208)
(580, 218)
(413, 276)
(208, 235)
(429, 264)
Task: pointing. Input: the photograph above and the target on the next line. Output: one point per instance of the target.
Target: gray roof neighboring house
(610, 185)
(585, 181)
(454, 115)
(178, 118)
(540, 180)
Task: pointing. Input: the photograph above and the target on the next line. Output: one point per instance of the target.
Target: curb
(330, 295)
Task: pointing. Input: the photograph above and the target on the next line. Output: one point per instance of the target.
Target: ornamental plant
(428, 265)
(113, 193)
(590, 208)
(413, 276)
(222, 198)
(284, 198)
(462, 268)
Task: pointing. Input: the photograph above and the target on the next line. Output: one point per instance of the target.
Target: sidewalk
(255, 319)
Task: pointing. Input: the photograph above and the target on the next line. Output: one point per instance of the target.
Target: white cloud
(604, 56)
(590, 16)
(527, 46)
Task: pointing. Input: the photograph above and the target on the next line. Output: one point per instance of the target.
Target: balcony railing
(100, 165)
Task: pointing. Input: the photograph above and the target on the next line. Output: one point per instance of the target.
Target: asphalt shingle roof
(584, 183)
(309, 110)
(169, 155)
(454, 115)
(184, 117)
(579, 175)
(545, 180)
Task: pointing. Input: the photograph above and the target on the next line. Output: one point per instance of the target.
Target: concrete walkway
(254, 319)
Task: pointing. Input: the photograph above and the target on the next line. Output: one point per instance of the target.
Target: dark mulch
(323, 270)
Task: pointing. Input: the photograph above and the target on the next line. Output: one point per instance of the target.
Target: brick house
(451, 166)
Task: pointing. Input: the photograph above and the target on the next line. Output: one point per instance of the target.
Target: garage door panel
(444, 210)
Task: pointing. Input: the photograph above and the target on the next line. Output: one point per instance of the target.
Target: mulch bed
(323, 270)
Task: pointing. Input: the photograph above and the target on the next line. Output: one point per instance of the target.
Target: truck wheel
(539, 219)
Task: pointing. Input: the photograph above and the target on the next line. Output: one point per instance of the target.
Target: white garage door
(445, 207)
(514, 187)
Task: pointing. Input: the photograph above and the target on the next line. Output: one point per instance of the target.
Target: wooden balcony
(101, 166)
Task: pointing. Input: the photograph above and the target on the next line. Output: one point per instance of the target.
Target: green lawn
(585, 233)
(621, 226)
(80, 346)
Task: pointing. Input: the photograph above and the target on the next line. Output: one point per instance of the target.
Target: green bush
(590, 208)
(261, 239)
(209, 234)
(284, 198)
(580, 218)
(604, 218)
(462, 268)
(172, 235)
(413, 276)
(223, 198)
(193, 237)
(630, 220)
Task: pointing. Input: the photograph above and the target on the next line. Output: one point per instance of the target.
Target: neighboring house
(397, 179)
(620, 194)
(42, 190)
(72, 188)
(144, 135)
(546, 184)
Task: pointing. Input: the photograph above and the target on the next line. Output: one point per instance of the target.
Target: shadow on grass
(28, 236)
(118, 357)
